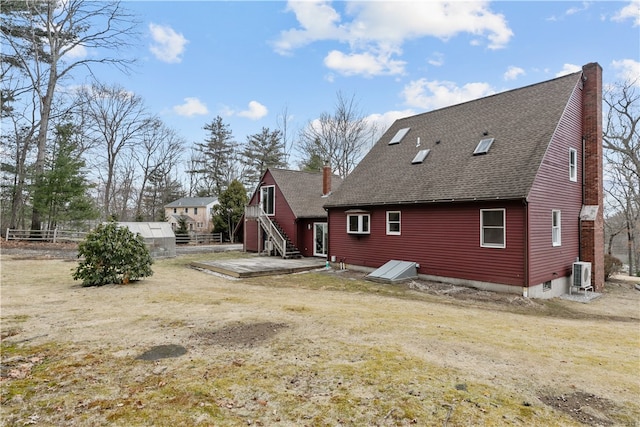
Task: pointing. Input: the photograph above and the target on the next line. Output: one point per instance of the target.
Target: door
(320, 238)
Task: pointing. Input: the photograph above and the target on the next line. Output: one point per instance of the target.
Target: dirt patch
(29, 250)
(165, 351)
(587, 408)
(240, 335)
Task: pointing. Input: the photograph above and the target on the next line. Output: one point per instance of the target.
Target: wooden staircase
(277, 240)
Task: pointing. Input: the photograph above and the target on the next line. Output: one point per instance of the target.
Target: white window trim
(556, 230)
(504, 230)
(262, 195)
(360, 224)
(399, 222)
(573, 165)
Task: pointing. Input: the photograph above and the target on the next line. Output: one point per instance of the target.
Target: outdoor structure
(285, 214)
(195, 210)
(158, 237)
(503, 192)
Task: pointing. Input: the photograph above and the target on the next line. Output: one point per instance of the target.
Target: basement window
(483, 146)
(398, 136)
(546, 286)
(419, 158)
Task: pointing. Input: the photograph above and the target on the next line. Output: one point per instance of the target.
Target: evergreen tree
(263, 150)
(314, 163)
(229, 209)
(215, 158)
(61, 193)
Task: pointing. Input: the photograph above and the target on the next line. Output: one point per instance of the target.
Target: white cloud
(630, 11)
(437, 59)
(168, 46)
(191, 107)
(430, 95)
(513, 73)
(578, 9)
(366, 64)
(384, 120)
(375, 31)
(255, 111)
(568, 69)
(78, 51)
(627, 70)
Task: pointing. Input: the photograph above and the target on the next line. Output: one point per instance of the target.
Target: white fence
(199, 238)
(54, 235)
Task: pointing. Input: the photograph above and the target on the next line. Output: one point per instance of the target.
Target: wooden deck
(260, 266)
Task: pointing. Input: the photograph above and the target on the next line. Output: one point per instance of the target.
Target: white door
(320, 238)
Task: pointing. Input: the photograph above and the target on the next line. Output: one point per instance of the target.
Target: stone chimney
(326, 179)
(591, 217)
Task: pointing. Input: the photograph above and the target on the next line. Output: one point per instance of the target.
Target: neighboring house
(285, 214)
(503, 192)
(195, 210)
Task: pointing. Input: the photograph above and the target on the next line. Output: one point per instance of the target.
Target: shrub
(112, 255)
(612, 265)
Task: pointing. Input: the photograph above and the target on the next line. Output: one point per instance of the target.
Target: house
(195, 210)
(502, 193)
(285, 214)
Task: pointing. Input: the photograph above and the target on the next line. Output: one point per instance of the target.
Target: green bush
(612, 265)
(112, 255)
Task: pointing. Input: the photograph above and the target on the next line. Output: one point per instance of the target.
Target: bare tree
(44, 38)
(159, 150)
(621, 140)
(341, 137)
(116, 121)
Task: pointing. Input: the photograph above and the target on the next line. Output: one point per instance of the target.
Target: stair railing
(273, 235)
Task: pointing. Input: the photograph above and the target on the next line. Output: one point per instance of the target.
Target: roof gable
(303, 191)
(521, 123)
(189, 202)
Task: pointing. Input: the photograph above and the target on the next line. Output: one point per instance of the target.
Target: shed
(158, 237)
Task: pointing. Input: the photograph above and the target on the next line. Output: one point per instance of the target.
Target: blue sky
(249, 61)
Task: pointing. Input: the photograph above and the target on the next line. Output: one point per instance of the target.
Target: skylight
(399, 135)
(483, 146)
(419, 158)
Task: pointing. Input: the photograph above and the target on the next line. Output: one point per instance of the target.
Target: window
(175, 210)
(398, 136)
(546, 286)
(267, 198)
(573, 165)
(419, 158)
(492, 228)
(195, 211)
(556, 228)
(483, 146)
(198, 225)
(393, 222)
(186, 210)
(358, 223)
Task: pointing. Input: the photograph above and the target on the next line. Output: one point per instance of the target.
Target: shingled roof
(522, 121)
(303, 191)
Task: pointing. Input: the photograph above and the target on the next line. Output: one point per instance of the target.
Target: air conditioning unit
(582, 275)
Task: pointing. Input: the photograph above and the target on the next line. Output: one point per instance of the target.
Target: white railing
(54, 235)
(273, 235)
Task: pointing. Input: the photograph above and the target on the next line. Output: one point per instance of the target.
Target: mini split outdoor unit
(582, 274)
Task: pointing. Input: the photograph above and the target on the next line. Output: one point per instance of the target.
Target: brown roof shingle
(303, 191)
(522, 121)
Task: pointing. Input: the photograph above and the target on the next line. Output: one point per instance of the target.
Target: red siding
(553, 190)
(283, 215)
(443, 239)
(250, 235)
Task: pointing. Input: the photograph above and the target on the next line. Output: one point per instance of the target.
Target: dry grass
(350, 352)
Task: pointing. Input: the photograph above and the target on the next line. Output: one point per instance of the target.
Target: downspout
(582, 163)
(526, 246)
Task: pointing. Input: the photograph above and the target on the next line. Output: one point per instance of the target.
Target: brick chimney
(326, 179)
(591, 218)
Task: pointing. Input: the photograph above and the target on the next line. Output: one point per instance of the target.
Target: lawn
(312, 349)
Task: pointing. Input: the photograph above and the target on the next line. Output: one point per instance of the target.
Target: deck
(260, 266)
